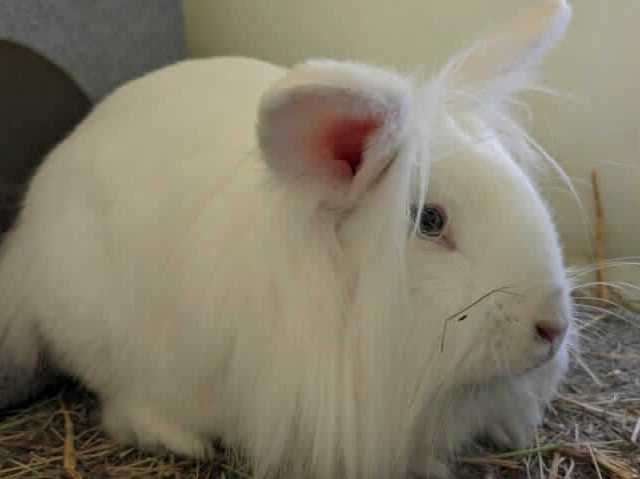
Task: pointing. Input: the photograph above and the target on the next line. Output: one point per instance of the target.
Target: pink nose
(550, 331)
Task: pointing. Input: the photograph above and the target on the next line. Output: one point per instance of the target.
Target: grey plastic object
(39, 105)
(102, 44)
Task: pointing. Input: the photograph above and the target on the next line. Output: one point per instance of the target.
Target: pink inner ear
(346, 140)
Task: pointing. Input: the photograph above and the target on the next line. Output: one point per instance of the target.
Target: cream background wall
(595, 124)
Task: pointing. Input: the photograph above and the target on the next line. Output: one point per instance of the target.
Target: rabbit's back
(108, 219)
(159, 142)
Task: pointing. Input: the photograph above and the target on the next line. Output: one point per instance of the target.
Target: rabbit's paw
(515, 428)
(139, 426)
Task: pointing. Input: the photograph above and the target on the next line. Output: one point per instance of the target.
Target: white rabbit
(226, 248)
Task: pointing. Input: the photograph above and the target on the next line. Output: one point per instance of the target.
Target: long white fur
(170, 264)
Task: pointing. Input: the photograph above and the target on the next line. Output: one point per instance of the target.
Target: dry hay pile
(593, 430)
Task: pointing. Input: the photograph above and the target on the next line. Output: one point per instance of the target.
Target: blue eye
(432, 221)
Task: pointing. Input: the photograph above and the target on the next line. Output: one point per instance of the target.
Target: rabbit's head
(430, 196)
(453, 270)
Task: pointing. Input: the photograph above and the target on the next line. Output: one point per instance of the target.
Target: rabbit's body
(207, 281)
(166, 196)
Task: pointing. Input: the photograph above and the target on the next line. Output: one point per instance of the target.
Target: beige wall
(599, 64)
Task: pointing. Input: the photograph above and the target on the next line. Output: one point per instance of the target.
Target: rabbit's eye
(432, 221)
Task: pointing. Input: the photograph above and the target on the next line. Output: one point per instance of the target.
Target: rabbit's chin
(507, 412)
(541, 365)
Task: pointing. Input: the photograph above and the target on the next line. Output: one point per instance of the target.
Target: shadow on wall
(56, 59)
(102, 44)
(39, 104)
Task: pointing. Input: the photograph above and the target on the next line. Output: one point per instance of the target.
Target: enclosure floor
(587, 435)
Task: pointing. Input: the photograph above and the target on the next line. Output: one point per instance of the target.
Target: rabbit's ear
(506, 62)
(334, 125)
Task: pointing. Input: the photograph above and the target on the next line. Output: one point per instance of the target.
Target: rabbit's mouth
(542, 362)
(551, 354)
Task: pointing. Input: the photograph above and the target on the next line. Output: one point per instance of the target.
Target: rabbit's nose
(551, 331)
(555, 310)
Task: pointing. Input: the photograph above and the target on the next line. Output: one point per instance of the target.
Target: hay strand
(603, 290)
